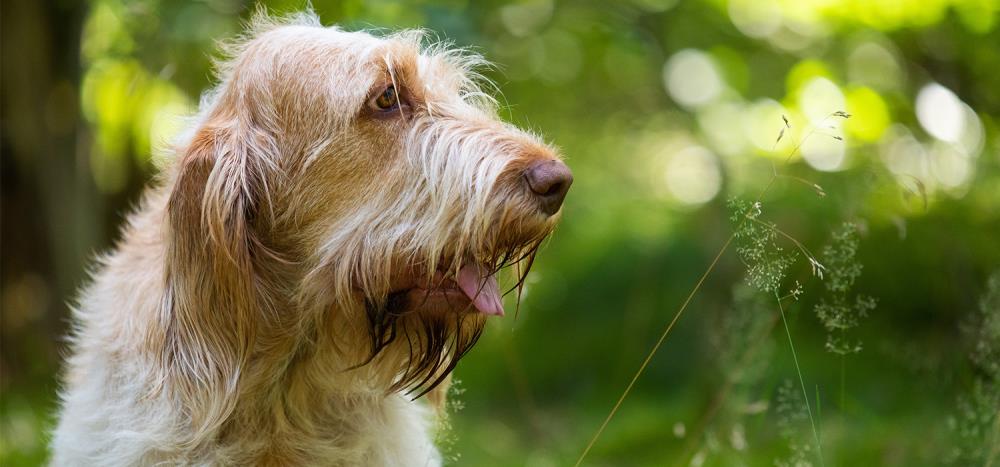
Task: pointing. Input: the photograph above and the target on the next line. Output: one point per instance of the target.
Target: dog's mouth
(439, 311)
(472, 289)
(439, 315)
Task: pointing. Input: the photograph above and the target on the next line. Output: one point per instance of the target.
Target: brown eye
(388, 100)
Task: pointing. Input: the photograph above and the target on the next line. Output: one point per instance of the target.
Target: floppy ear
(216, 193)
(213, 302)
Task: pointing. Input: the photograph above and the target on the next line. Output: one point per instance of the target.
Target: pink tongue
(481, 287)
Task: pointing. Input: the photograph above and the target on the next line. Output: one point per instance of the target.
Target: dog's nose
(549, 180)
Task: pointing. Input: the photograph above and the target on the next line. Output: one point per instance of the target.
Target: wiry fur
(247, 316)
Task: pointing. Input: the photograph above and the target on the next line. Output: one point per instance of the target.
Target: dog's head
(367, 185)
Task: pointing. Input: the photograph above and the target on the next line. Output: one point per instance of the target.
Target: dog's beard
(431, 340)
(435, 341)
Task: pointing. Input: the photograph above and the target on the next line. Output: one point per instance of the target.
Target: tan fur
(229, 325)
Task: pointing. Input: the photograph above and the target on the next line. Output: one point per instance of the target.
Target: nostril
(553, 190)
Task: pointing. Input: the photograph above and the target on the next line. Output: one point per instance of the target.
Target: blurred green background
(664, 109)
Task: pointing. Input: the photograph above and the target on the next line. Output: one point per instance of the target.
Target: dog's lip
(473, 284)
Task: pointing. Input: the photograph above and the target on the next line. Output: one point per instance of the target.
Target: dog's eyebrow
(398, 63)
(392, 77)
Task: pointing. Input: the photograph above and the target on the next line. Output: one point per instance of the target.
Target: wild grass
(840, 311)
(975, 426)
(767, 264)
(445, 437)
(745, 351)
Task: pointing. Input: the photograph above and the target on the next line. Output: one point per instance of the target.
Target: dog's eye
(388, 100)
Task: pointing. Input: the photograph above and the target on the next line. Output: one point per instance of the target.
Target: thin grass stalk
(711, 267)
(802, 383)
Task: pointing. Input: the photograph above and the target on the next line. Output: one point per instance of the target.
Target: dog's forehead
(401, 53)
(357, 48)
(354, 63)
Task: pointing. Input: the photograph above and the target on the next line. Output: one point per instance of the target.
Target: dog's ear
(213, 298)
(218, 190)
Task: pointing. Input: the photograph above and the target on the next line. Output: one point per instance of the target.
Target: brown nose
(549, 181)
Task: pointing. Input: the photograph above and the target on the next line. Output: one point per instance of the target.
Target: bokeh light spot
(818, 98)
(950, 167)
(871, 115)
(940, 112)
(823, 152)
(803, 72)
(526, 17)
(720, 122)
(692, 78)
(971, 140)
(692, 175)
(872, 64)
(904, 155)
(762, 124)
(757, 19)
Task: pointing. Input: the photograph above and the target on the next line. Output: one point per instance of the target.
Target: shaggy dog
(320, 253)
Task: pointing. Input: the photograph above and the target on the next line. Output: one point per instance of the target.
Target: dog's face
(376, 175)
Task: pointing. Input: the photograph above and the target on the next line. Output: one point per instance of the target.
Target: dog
(320, 252)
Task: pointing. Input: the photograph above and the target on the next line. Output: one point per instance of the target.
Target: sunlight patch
(692, 78)
(692, 175)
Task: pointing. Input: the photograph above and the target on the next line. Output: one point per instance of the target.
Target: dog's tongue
(481, 287)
